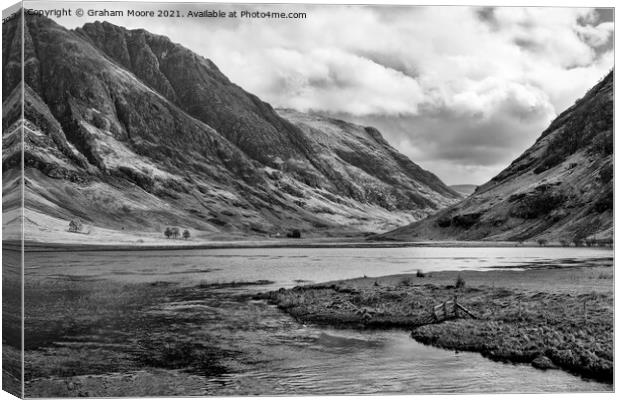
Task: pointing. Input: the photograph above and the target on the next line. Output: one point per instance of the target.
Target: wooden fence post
(585, 311)
(456, 307)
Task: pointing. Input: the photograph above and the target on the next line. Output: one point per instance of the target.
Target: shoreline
(549, 318)
(35, 246)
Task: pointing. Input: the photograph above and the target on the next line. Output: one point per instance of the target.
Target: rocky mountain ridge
(129, 131)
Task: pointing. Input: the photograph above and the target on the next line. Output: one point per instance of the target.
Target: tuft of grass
(420, 274)
(460, 282)
(406, 281)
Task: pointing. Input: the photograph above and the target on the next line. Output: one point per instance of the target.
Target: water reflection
(262, 351)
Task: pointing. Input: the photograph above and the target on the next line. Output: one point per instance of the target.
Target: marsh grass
(81, 326)
(70, 316)
(521, 328)
(523, 316)
(84, 304)
(172, 353)
(406, 281)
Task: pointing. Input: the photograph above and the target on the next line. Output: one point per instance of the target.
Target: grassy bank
(552, 318)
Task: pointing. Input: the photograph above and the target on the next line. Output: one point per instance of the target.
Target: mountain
(559, 189)
(131, 132)
(465, 190)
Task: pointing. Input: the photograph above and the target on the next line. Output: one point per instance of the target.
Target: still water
(288, 266)
(276, 355)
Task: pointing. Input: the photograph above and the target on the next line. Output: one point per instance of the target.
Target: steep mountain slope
(561, 188)
(129, 131)
(360, 160)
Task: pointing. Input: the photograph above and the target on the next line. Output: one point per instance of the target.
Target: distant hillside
(465, 190)
(131, 132)
(561, 188)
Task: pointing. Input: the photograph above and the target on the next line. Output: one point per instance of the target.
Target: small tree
(542, 242)
(186, 234)
(578, 242)
(75, 225)
(295, 234)
(175, 232)
(564, 243)
(168, 232)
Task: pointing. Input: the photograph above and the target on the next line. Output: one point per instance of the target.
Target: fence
(450, 309)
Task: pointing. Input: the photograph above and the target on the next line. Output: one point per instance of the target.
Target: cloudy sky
(462, 91)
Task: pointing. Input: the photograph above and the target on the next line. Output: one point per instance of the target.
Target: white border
(551, 3)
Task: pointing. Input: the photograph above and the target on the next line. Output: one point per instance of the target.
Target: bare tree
(175, 232)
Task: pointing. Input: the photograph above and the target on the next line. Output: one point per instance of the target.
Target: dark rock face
(201, 90)
(127, 129)
(560, 189)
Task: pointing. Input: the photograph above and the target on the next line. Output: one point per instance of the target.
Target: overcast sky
(462, 91)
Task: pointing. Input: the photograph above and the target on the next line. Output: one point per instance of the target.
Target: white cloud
(330, 79)
(598, 35)
(385, 62)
